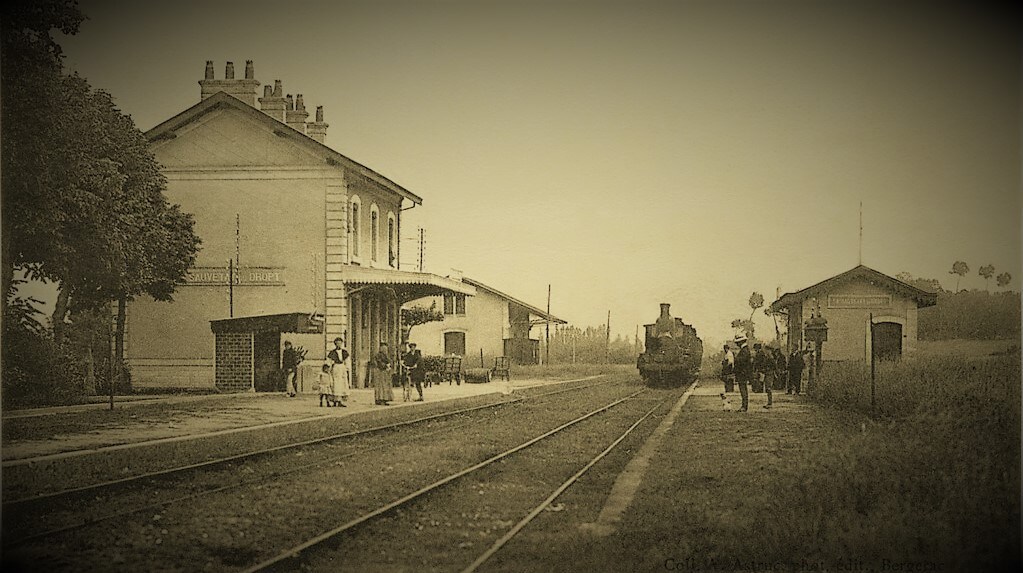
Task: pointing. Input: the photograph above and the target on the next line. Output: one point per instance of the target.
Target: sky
(632, 153)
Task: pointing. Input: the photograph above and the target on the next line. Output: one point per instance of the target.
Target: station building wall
(484, 323)
(847, 308)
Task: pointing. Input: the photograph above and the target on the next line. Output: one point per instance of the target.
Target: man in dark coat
(763, 372)
(413, 361)
(289, 363)
(796, 365)
(743, 370)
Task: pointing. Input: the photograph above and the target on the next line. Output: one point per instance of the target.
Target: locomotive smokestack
(664, 308)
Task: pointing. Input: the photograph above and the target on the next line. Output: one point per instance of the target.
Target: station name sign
(859, 301)
(244, 276)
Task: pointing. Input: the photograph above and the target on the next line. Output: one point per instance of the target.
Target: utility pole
(237, 242)
(420, 249)
(861, 232)
(607, 341)
(230, 287)
(547, 333)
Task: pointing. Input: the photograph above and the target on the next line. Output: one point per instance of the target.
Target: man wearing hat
(743, 370)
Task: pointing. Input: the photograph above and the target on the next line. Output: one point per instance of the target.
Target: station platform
(49, 433)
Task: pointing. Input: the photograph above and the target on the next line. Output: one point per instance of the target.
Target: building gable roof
(532, 309)
(922, 297)
(223, 100)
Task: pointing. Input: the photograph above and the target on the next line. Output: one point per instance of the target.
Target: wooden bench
(452, 371)
(500, 369)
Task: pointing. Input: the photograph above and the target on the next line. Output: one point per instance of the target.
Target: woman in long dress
(340, 371)
(380, 376)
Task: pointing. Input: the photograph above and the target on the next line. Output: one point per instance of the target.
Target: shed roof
(407, 285)
(224, 100)
(532, 309)
(922, 297)
(300, 322)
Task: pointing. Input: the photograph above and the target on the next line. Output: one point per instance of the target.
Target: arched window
(355, 226)
(374, 232)
(392, 249)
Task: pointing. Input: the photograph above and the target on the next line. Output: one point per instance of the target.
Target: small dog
(726, 403)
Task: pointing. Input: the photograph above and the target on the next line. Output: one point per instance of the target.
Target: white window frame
(374, 234)
(355, 229)
(392, 240)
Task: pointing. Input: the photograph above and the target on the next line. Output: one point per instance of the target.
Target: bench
(452, 370)
(500, 369)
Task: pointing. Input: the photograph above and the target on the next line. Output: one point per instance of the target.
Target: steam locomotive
(673, 352)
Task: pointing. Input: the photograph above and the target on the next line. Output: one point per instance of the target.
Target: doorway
(454, 343)
(887, 341)
(266, 361)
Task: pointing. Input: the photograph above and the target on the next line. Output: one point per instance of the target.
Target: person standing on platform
(413, 361)
(380, 376)
(728, 369)
(340, 371)
(796, 365)
(743, 370)
(781, 373)
(763, 368)
(289, 363)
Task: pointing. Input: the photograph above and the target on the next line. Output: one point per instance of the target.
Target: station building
(491, 322)
(299, 243)
(851, 302)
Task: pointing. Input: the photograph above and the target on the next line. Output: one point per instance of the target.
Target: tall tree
(959, 268)
(83, 196)
(416, 315)
(1004, 279)
(987, 271)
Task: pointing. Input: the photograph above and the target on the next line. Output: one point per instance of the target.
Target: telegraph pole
(230, 287)
(547, 334)
(607, 341)
(420, 249)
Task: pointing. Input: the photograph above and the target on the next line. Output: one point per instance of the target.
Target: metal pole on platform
(547, 335)
(230, 287)
(873, 385)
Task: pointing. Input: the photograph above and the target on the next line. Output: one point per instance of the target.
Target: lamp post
(816, 331)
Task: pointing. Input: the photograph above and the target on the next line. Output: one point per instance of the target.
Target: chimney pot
(229, 71)
(299, 104)
(268, 91)
(319, 114)
(291, 103)
(209, 69)
(278, 89)
(250, 73)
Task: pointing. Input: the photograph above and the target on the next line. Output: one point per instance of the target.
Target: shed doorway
(454, 343)
(887, 341)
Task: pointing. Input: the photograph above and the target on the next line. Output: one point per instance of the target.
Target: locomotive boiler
(673, 352)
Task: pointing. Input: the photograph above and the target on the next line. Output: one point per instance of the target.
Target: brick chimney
(317, 129)
(244, 89)
(273, 103)
(296, 114)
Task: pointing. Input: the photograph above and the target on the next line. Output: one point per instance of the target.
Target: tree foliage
(986, 271)
(416, 315)
(967, 314)
(1004, 279)
(959, 268)
(83, 201)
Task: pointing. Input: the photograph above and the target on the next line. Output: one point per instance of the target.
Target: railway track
(331, 549)
(91, 489)
(20, 513)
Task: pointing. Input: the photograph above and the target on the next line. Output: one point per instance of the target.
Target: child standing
(326, 386)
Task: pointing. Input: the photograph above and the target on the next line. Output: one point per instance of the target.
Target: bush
(934, 478)
(37, 371)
